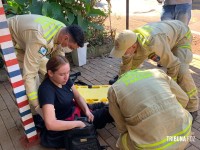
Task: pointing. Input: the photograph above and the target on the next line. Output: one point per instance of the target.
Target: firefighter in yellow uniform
(168, 42)
(148, 109)
(36, 37)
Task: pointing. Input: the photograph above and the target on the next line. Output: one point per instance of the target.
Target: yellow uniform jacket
(148, 106)
(160, 38)
(168, 42)
(34, 38)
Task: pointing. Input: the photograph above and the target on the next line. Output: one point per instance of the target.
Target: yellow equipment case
(94, 94)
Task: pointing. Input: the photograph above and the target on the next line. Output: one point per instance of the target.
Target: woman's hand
(89, 116)
(81, 124)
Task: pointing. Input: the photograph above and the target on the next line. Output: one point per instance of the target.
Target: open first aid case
(94, 94)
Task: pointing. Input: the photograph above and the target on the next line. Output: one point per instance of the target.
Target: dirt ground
(119, 23)
(196, 44)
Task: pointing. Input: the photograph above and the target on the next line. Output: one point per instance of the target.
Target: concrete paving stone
(89, 73)
(196, 125)
(102, 71)
(194, 69)
(8, 101)
(192, 148)
(114, 60)
(104, 82)
(114, 132)
(7, 118)
(81, 69)
(112, 71)
(196, 133)
(196, 143)
(104, 67)
(87, 77)
(99, 78)
(189, 144)
(5, 140)
(88, 82)
(95, 82)
(107, 65)
(80, 78)
(115, 69)
(112, 142)
(101, 141)
(98, 59)
(86, 67)
(109, 126)
(93, 67)
(104, 133)
(107, 78)
(2, 104)
(111, 76)
(95, 73)
(15, 136)
(114, 64)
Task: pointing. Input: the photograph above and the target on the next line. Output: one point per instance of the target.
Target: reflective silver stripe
(50, 26)
(164, 143)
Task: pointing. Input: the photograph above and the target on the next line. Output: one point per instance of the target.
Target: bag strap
(74, 77)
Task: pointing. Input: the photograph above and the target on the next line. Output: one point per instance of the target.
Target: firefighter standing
(168, 42)
(148, 109)
(34, 37)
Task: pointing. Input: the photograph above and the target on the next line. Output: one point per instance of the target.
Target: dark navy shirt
(61, 98)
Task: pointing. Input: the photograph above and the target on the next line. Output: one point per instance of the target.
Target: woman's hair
(54, 63)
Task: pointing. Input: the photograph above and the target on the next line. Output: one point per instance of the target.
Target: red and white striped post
(16, 78)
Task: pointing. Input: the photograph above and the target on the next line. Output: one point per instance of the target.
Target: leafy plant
(81, 12)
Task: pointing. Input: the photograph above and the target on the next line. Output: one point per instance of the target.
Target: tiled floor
(97, 71)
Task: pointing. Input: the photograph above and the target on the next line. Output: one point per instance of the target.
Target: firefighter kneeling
(148, 108)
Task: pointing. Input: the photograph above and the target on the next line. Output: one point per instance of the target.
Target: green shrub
(81, 12)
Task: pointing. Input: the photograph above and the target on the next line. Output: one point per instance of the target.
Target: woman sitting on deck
(61, 103)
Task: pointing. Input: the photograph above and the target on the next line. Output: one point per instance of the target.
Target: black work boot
(194, 115)
(113, 80)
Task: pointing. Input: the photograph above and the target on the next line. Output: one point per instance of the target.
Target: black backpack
(82, 139)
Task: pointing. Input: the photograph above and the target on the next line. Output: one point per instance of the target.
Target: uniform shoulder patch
(43, 51)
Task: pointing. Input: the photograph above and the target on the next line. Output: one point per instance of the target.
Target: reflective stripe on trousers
(32, 96)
